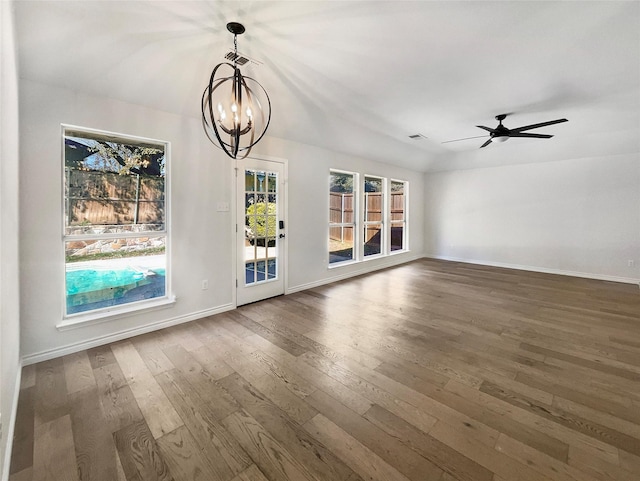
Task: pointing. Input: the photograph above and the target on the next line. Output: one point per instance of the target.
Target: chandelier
(236, 110)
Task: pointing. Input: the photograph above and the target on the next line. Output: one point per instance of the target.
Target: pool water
(89, 289)
(87, 280)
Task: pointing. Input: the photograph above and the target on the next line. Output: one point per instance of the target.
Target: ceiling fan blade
(486, 143)
(535, 126)
(466, 138)
(531, 136)
(486, 128)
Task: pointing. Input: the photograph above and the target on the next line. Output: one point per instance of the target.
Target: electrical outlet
(205, 284)
(631, 263)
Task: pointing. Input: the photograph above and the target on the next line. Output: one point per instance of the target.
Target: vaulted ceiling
(361, 76)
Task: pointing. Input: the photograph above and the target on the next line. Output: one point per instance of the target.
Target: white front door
(260, 230)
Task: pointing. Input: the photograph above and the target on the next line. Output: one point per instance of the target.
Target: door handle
(282, 236)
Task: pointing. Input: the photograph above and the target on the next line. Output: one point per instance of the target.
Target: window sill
(342, 264)
(116, 312)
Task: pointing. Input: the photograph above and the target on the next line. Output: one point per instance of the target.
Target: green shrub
(262, 225)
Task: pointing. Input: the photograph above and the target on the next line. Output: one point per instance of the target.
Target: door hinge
(236, 228)
(236, 282)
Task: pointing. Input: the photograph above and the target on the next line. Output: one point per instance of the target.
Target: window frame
(382, 222)
(403, 222)
(355, 257)
(70, 320)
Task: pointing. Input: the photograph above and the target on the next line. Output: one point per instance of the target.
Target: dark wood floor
(428, 371)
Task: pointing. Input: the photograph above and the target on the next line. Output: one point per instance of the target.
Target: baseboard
(9, 427)
(120, 335)
(365, 268)
(544, 270)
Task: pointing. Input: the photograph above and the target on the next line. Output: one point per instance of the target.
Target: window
(379, 228)
(115, 220)
(397, 215)
(342, 218)
(373, 216)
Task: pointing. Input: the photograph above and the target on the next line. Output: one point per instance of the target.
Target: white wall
(202, 238)
(9, 273)
(578, 216)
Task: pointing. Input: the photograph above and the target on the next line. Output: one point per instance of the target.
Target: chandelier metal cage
(236, 110)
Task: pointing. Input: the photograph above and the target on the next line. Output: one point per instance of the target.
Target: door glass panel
(272, 182)
(249, 180)
(261, 179)
(260, 229)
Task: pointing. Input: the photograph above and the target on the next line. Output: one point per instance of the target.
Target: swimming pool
(89, 289)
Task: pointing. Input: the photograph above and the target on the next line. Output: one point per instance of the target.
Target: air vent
(418, 137)
(240, 60)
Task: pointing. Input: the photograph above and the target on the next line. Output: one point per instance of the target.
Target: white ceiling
(361, 76)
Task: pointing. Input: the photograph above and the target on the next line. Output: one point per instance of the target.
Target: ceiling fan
(502, 133)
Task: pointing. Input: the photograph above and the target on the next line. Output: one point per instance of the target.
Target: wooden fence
(99, 198)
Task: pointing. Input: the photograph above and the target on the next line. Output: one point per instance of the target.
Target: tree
(124, 159)
(262, 222)
(341, 182)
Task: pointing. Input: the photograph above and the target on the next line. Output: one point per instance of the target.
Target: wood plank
(252, 473)
(94, 447)
(593, 429)
(50, 396)
(184, 457)
(22, 452)
(320, 462)
(538, 461)
(148, 346)
(139, 453)
(390, 449)
(446, 458)
(159, 413)
(118, 403)
(356, 455)
(487, 457)
(100, 356)
(54, 457)
(598, 468)
(24, 475)
(269, 455)
(200, 379)
(78, 372)
(28, 378)
(202, 419)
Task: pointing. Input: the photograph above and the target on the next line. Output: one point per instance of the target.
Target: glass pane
(271, 268)
(273, 183)
(372, 239)
(341, 182)
(261, 180)
(373, 206)
(397, 237)
(250, 273)
(107, 273)
(340, 243)
(397, 200)
(111, 184)
(250, 199)
(260, 271)
(249, 180)
(372, 184)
